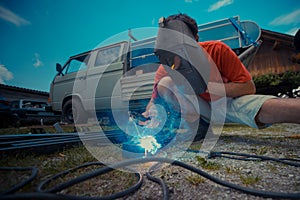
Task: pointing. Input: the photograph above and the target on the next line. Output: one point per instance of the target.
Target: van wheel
(74, 114)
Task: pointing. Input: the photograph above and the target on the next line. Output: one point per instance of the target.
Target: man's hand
(151, 113)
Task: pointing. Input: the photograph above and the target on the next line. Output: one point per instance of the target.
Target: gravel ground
(279, 141)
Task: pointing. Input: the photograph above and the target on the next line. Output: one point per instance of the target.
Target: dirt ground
(278, 141)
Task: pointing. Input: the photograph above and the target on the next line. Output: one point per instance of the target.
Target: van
(86, 83)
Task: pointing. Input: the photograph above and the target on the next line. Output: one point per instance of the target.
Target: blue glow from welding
(154, 135)
(146, 136)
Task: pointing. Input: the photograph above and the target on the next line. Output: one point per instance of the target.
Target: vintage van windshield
(77, 64)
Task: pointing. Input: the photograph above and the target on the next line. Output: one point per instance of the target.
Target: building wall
(11, 93)
(274, 55)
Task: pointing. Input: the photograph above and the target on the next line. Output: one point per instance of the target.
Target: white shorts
(242, 110)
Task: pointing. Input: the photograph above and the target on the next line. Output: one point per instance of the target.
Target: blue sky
(36, 34)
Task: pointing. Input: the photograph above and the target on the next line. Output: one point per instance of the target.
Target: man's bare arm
(231, 89)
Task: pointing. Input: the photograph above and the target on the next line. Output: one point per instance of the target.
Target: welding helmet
(177, 49)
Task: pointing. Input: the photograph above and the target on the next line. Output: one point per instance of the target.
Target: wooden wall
(274, 54)
(11, 93)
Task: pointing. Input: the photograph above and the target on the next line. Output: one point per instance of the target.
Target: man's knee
(165, 85)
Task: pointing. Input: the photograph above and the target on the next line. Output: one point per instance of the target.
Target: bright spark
(150, 144)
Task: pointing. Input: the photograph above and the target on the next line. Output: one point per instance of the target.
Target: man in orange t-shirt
(227, 63)
(236, 86)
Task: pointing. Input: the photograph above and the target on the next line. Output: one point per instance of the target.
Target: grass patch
(48, 164)
(272, 167)
(51, 129)
(196, 146)
(195, 179)
(28, 130)
(250, 179)
(262, 150)
(232, 170)
(207, 164)
(51, 164)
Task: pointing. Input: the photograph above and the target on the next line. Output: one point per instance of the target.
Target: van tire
(74, 113)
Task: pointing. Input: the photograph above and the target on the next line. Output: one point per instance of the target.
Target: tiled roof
(15, 88)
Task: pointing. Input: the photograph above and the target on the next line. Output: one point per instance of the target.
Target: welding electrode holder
(174, 38)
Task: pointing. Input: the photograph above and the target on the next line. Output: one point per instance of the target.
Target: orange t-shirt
(226, 61)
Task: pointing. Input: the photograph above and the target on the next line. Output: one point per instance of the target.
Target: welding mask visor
(175, 41)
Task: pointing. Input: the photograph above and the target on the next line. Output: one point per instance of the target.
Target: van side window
(107, 55)
(77, 64)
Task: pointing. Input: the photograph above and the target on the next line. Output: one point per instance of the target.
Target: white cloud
(219, 4)
(190, 1)
(11, 17)
(37, 62)
(290, 18)
(5, 74)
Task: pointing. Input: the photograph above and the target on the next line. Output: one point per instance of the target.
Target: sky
(37, 34)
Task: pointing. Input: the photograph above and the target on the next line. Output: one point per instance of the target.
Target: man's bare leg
(279, 111)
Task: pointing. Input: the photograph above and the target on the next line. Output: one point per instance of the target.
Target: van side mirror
(59, 68)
